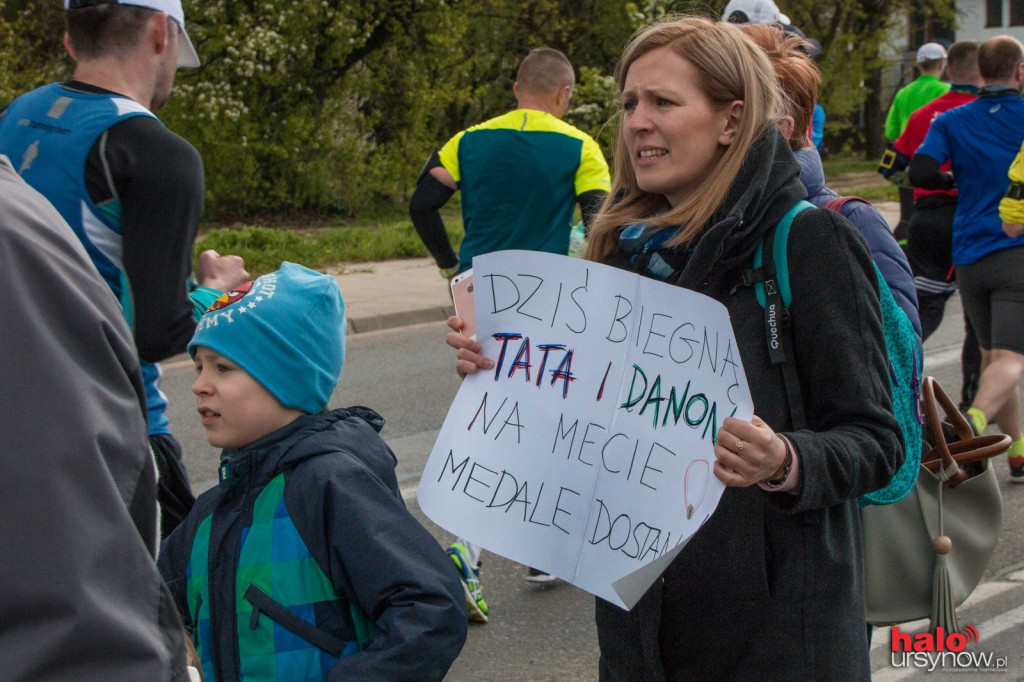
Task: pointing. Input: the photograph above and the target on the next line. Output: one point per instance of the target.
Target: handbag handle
(969, 448)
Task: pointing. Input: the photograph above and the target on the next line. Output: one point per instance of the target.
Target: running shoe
(470, 576)
(536, 575)
(1016, 469)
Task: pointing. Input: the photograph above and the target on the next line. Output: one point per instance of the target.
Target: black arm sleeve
(431, 195)
(590, 203)
(158, 177)
(924, 173)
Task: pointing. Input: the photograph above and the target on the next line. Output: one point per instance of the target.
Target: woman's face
(673, 134)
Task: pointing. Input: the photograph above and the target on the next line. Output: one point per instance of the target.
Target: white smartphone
(462, 296)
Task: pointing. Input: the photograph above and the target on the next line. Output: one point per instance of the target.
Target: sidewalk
(399, 293)
(395, 293)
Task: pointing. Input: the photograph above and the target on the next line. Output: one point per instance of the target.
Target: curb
(405, 318)
(356, 325)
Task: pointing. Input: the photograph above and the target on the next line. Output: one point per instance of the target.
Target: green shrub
(264, 248)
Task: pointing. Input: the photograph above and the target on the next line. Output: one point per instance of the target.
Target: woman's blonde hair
(730, 67)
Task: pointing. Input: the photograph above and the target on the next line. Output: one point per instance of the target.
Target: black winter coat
(772, 586)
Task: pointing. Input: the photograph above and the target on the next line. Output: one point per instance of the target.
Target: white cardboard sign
(587, 451)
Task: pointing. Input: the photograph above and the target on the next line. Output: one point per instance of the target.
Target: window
(994, 12)
(1016, 12)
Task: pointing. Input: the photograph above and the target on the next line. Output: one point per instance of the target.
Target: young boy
(303, 563)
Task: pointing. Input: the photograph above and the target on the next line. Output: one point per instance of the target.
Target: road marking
(881, 637)
(1016, 575)
(989, 628)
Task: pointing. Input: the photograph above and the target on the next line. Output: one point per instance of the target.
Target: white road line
(1001, 623)
(989, 628)
(890, 674)
(880, 636)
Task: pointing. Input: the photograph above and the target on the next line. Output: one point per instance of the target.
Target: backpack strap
(778, 261)
(838, 203)
(774, 295)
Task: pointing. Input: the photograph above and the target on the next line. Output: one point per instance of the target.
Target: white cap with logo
(930, 52)
(186, 52)
(754, 12)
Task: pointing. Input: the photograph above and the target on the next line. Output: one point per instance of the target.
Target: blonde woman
(771, 587)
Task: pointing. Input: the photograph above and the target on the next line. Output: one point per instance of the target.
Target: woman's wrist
(780, 474)
(781, 478)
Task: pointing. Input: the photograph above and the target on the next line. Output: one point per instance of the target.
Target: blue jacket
(885, 250)
(342, 498)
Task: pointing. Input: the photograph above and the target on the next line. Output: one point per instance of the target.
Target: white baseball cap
(930, 52)
(755, 11)
(186, 52)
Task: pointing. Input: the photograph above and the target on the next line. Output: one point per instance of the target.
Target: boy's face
(235, 408)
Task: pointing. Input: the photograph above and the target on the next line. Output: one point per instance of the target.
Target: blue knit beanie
(286, 329)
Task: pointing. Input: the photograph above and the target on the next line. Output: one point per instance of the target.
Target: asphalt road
(547, 632)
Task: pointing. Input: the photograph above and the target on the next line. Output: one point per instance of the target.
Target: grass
(386, 238)
(883, 191)
(322, 248)
(838, 164)
(851, 175)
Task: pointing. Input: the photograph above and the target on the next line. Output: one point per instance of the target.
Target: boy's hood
(352, 429)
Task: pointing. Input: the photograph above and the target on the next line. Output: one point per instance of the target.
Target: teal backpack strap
(771, 286)
(780, 255)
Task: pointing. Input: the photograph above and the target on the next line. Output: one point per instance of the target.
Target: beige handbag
(924, 555)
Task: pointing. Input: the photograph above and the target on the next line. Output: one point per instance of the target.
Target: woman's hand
(747, 452)
(469, 361)
(1013, 230)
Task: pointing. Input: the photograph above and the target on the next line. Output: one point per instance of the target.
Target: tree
(31, 48)
(855, 38)
(273, 108)
(332, 107)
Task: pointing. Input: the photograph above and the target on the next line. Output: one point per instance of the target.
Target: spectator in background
(799, 78)
(753, 12)
(931, 61)
(818, 128)
(766, 12)
(981, 139)
(929, 244)
(81, 598)
(131, 190)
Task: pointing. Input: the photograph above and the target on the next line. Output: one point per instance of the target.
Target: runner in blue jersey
(981, 139)
(131, 190)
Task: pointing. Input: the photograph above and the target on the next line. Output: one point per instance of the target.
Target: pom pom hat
(286, 329)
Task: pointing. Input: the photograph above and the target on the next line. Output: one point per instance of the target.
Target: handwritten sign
(587, 451)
